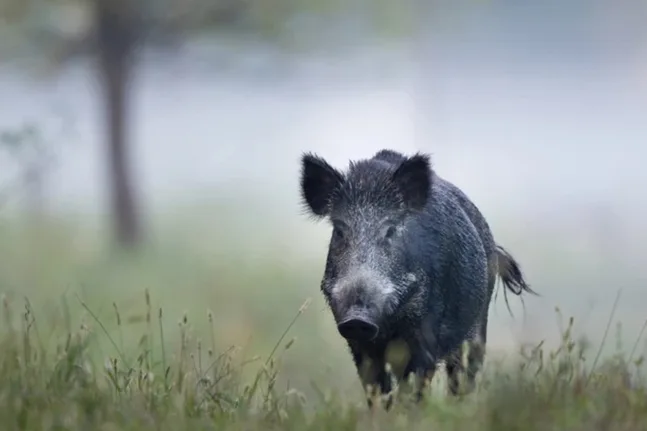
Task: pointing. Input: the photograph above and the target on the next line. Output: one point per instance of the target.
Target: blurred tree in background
(116, 36)
(112, 30)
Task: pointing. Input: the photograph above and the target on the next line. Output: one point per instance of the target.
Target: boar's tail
(511, 276)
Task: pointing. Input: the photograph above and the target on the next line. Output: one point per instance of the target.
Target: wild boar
(411, 267)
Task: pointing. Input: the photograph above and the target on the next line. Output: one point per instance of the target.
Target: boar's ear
(318, 182)
(413, 179)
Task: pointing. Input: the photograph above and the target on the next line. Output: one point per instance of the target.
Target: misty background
(537, 110)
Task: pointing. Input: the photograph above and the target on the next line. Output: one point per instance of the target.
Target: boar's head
(371, 269)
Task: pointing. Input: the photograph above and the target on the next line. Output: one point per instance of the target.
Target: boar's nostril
(358, 329)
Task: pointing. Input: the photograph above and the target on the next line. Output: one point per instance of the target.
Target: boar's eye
(389, 232)
(338, 233)
(339, 230)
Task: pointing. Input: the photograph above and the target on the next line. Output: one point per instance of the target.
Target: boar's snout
(358, 329)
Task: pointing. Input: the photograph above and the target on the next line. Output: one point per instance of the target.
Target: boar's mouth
(358, 327)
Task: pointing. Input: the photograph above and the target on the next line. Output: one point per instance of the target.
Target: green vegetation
(97, 340)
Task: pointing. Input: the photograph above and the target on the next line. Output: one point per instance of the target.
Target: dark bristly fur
(411, 264)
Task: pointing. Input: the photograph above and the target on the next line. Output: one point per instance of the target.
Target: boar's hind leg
(423, 378)
(475, 357)
(456, 367)
(475, 354)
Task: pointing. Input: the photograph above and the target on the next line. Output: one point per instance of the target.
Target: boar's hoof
(357, 329)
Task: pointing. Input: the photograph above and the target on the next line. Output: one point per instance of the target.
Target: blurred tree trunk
(116, 38)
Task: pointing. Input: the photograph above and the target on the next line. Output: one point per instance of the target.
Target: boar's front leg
(424, 360)
(370, 368)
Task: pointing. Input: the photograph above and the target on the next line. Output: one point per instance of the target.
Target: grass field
(218, 324)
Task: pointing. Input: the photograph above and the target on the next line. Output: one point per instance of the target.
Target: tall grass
(61, 385)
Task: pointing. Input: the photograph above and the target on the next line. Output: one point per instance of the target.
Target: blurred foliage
(64, 27)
